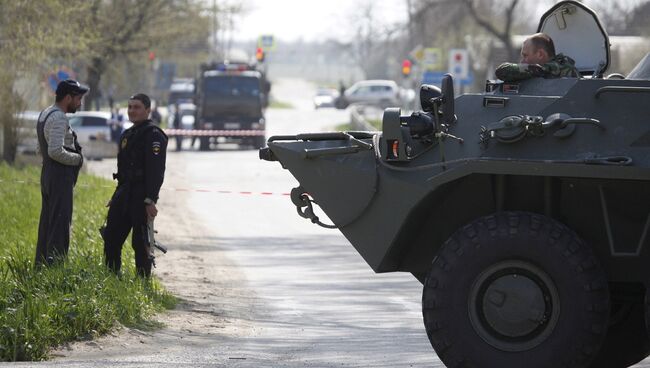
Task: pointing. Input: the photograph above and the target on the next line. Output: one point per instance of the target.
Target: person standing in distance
(140, 174)
(62, 159)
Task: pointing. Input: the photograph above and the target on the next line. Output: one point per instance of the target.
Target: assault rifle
(151, 242)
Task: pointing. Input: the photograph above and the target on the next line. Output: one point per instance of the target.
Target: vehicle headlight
(258, 125)
(187, 120)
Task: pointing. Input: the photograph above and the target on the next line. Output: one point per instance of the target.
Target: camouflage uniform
(558, 66)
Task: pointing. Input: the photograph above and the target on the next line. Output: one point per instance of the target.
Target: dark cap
(70, 87)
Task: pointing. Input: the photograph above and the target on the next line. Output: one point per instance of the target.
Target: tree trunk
(95, 70)
(10, 142)
(10, 104)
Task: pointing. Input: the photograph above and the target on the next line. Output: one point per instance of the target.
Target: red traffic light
(259, 54)
(406, 67)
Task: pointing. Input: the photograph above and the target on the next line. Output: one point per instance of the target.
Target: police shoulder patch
(155, 147)
(123, 143)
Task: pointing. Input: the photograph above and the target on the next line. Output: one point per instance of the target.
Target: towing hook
(301, 200)
(299, 197)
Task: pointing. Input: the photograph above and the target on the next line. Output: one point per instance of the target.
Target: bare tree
(122, 28)
(505, 34)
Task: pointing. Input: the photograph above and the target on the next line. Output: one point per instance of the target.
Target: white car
(382, 93)
(325, 97)
(94, 133)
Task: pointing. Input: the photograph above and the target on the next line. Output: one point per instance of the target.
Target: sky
(315, 20)
(311, 20)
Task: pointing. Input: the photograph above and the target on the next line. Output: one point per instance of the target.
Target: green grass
(275, 104)
(345, 127)
(377, 123)
(77, 299)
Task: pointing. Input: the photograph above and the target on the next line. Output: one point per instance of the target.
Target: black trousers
(57, 182)
(126, 214)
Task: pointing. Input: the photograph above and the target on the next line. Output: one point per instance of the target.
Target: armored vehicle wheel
(204, 144)
(627, 342)
(514, 290)
(647, 311)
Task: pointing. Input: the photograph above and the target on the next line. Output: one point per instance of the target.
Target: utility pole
(213, 49)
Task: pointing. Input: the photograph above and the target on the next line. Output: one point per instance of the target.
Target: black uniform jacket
(141, 161)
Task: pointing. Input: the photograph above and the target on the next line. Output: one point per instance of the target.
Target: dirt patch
(213, 302)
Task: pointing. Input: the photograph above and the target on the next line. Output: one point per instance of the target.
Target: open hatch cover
(577, 33)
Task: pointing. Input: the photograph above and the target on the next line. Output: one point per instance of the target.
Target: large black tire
(647, 311)
(627, 341)
(516, 290)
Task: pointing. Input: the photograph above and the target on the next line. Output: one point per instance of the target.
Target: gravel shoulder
(213, 301)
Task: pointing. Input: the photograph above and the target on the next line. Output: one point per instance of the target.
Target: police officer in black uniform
(140, 174)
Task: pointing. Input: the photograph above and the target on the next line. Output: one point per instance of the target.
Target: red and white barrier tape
(214, 133)
(194, 190)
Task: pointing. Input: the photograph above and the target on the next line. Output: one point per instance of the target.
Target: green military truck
(230, 100)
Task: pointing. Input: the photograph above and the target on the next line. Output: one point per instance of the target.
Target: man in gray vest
(62, 159)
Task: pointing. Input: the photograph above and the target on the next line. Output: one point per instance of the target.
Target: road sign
(266, 42)
(432, 77)
(417, 54)
(432, 59)
(54, 78)
(459, 63)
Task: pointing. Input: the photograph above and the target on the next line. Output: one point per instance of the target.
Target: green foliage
(30, 38)
(124, 28)
(78, 299)
(31, 32)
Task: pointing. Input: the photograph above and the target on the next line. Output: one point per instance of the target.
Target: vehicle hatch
(577, 32)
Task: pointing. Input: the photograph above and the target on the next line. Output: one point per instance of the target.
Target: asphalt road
(268, 288)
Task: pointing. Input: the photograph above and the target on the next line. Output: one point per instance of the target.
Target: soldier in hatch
(538, 59)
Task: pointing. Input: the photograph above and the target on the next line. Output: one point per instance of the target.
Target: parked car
(325, 97)
(27, 140)
(93, 130)
(383, 93)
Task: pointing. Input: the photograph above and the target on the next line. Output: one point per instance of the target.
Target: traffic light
(406, 67)
(259, 54)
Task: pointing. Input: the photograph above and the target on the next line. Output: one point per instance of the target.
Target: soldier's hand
(536, 70)
(151, 210)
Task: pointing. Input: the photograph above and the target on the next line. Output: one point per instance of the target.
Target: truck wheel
(259, 142)
(516, 289)
(627, 342)
(204, 144)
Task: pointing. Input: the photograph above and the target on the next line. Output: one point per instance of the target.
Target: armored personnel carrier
(524, 210)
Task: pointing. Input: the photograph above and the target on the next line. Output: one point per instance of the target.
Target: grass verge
(75, 300)
(275, 104)
(345, 127)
